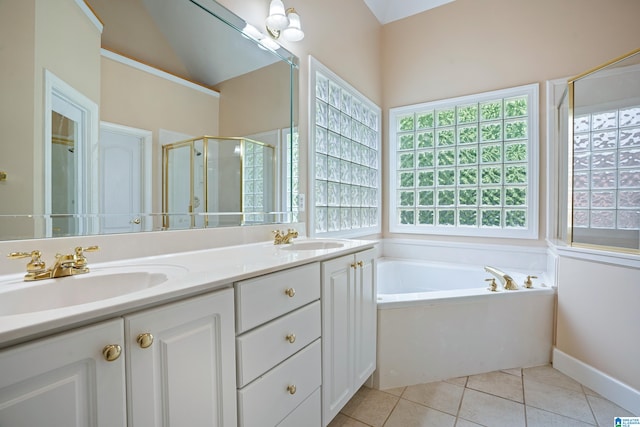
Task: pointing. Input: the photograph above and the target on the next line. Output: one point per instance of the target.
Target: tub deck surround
(440, 321)
(206, 270)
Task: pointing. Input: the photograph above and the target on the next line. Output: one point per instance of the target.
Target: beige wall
(471, 46)
(598, 317)
(243, 113)
(138, 99)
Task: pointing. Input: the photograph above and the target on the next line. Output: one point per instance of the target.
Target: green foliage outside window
(446, 157)
(447, 217)
(446, 177)
(491, 132)
(491, 197)
(515, 107)
(407, 198)
(468, 217)
(425, 159)
(491, 154)
(468, 135)
(515, 196)
(516, 175)
(425, 139)
(516, 152)
(425, 217)
(446, 137)
(407, 217)
(468, 197)
(425, 121)
(406, 123)
(406, 161)
(515, 130)
(406, 142)
(468, 156)
(491, 218)
(425, 179)
(516, 219)
(468, 114)
(426, 198)
(446, 197)
(491, 175)
(491, 110)
(446, 117)
(406, 179)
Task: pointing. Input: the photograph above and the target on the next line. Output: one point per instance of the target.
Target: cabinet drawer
(267, 297)
(268, 400)
(308, 414)
(266, 346)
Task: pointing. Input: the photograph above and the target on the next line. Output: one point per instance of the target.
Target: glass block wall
(465, 163)
(346, 138)
(606, 169)
(292, 173)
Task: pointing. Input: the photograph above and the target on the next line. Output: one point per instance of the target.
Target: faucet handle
(529, 283)
(493, 286)
(35, 266)
(81, 260)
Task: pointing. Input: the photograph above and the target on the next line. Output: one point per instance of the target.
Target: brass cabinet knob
(291, 389)
(145, 340)
(290, 292)
(111, 352)
(135, 221)
(360, 264)
(291, 338)
(353, 265)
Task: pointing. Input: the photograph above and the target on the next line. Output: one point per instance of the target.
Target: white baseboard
(610, 388)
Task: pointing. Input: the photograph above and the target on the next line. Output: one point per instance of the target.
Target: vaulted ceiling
(391, 10)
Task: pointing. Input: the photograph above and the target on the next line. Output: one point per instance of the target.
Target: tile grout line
(524, 398)
(394, 407)
(593, 413)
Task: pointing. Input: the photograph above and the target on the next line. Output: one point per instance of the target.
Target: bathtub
(439, 321)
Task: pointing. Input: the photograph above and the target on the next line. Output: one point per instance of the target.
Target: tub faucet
(507, 281)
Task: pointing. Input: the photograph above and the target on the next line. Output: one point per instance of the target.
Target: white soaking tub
(439, 321)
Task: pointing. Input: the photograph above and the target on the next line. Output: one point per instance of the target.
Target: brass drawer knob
(291, 389)
(111, 352)
(360, 264)
(145, 340)
(291, 338)
(290, 292)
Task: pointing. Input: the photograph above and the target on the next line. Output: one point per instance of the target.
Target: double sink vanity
(250, 335)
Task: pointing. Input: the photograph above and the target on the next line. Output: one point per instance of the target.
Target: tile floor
(531, 397)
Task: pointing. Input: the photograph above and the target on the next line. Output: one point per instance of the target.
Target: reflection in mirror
(182, 69)
(193, 170)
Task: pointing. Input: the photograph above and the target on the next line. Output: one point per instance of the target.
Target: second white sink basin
(99, 284)
(313, 245)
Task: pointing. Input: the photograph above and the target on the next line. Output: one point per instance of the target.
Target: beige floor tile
(547, 375)
(515, 371)
(539, 418)
(370, 406)
(589, 392)
(395, 391)
(464, 423)
(461, 381)
(440, 395)
(409, 414)
(498, 383)
(557, 400)
(491, 410)
(605, 411)
(343, 421)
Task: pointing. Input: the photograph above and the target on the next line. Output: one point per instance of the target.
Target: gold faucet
(65, 265)
(507, 281)
(279, 238)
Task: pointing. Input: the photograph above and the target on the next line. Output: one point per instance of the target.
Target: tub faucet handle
(529, 283)
(493, 286)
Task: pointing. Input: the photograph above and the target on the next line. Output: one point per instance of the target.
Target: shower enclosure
(219, 181)
(600, 116)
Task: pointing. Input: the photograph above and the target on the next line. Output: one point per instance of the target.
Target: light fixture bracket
(276, 33)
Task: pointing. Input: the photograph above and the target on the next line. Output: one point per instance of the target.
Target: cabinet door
(338, 294)
(186, 375)
(64, 380)
(365, 316)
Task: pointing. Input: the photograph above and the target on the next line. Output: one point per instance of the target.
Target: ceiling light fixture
(285, 23)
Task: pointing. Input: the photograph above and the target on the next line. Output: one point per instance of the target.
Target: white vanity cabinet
(278, 323)
(181, 363)
(348, 328)
(64, 380)
(174, 365)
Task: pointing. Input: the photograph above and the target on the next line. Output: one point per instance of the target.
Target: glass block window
(292, 173)
(466, 166)
(345, 157)
(606, 169)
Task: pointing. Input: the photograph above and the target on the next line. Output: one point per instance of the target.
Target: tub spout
(507, 281)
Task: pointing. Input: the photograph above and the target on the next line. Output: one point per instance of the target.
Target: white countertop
(207, 270)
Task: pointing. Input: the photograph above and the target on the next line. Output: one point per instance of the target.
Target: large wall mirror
(140, 115)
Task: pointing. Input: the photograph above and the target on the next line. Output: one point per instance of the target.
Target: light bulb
(293, 32)
(277, 19)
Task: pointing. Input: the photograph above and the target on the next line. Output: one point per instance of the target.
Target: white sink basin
(18, 297)
(313, 245)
